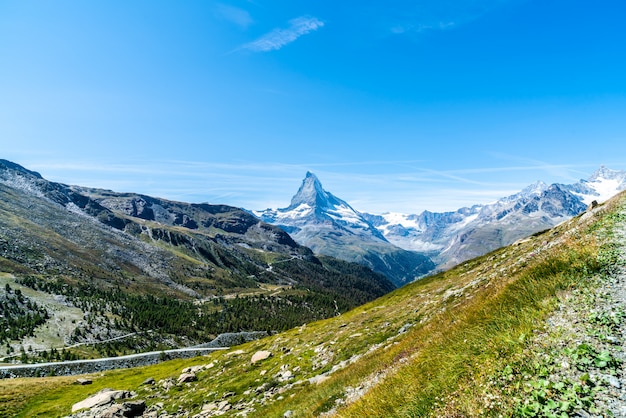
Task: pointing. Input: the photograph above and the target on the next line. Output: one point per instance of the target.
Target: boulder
(104, 397)
(167, 384)
(187, 377)
(260, 355)
(193, 369)
(82, 381)
(124, 410)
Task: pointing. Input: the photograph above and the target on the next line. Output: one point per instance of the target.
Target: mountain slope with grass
(91, 266)
(535, 329)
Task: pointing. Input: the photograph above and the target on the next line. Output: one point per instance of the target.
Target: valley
(165, 274)
(468, 341)
(91, 273)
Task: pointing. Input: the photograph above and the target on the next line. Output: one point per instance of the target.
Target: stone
(124, 410)
(148, 381)
(319, 379)
(187, 377)
(135, 408)
(193, 369)
(611, 380)
(209, 407)
(260, 356)
(167, 384)
(82, 381)
(104, 397)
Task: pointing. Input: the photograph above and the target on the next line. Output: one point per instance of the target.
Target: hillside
(533, 329)
(90, 266)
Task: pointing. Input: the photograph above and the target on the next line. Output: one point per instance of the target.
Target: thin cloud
(279, 37)
(239, 17)
(442, 15)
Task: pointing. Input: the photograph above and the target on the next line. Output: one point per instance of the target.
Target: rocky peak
(535, 189)
(604, 173)
(313, 194)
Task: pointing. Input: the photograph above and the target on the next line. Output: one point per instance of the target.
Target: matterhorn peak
(313, 194)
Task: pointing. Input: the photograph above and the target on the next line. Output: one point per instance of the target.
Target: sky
(396, 106)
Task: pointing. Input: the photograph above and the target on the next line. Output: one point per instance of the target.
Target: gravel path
(584, 347)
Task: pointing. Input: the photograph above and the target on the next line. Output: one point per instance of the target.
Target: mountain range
(185, 271)
(534, 329)
(328, 225)
(406, 246)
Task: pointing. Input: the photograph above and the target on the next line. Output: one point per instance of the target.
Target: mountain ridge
(188, 271)
(531, 329)
(452, 237)
(329, 225)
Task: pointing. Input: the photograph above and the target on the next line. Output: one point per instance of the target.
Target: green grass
(467, 332)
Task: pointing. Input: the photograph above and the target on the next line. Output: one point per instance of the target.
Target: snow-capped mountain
(452, 237)
(313, 208)
(330, 226)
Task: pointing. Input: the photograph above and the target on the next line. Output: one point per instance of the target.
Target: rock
(187, 377)
(135, 408)
(288, 414)
(148, 381)
(209, 407)
(319, 379)
(404, 328)
(193, 369)
(82, 381)
(104, 397)
(124, 410)
(611, 380)
(284, 375)
(167, 384)
(260, 355)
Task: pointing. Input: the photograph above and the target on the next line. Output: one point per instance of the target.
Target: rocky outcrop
(102, 398)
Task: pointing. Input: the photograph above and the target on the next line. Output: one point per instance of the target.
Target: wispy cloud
(374, 186)
(279, 37)
(239, 17)
(441, 15)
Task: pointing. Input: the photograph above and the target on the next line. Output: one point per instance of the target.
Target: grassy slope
(431, 348)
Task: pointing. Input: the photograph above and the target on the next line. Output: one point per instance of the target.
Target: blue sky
(396, 105)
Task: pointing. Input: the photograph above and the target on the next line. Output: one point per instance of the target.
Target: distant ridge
(453, 237)
(108, 265)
